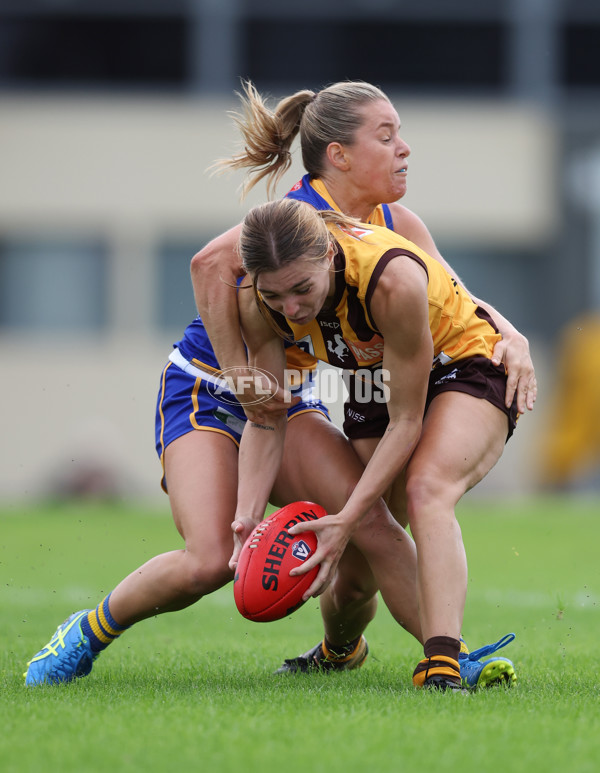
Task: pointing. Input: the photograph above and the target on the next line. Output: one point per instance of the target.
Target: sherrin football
(262, 588)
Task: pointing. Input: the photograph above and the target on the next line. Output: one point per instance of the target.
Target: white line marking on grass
(581, 599)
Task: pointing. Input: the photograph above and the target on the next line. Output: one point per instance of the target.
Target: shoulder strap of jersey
(303, 191)
(387, 216)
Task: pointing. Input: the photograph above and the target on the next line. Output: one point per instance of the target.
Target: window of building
(62, 50)
(581, 63)
(394, 53)
(53, 284)
(175, 305)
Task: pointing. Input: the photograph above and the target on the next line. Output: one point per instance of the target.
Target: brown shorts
(475, 376)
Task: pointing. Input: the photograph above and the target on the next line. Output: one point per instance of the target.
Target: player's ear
(336, 154)
(330, 253)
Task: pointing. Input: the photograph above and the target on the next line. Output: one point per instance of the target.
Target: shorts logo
(354, 415)
(300, 550)
(448, 377)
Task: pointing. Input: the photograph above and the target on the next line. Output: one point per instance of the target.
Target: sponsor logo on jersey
(371, 350)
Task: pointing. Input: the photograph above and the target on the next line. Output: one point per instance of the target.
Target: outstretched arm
(513, 349)
(400, 308)
(261, 447)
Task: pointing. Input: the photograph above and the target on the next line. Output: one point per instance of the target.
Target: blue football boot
(476, 673)
(67, 655)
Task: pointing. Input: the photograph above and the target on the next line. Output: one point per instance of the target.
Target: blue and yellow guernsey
(346, 335)
(313, 192)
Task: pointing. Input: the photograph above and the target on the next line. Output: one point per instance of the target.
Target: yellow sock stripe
(419, 679)
(452, 669)
(446, 659)
(97, 629)
(106, 627)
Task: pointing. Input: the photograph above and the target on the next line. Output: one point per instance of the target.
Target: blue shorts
(187, 401)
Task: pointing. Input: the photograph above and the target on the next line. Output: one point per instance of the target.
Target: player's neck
(348, 200)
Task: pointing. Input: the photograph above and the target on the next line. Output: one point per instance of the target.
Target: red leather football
(262, 588)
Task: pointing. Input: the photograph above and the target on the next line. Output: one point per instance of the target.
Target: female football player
(401, 316)
(355, 160)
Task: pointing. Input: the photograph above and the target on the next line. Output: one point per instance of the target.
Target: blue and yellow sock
(100, 627)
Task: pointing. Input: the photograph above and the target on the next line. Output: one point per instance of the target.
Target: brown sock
(442, 645)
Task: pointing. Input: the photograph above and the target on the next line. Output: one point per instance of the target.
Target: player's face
(378, 156)
(298, 290)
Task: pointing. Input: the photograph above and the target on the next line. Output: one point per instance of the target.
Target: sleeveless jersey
(345, 334)
(315, 193)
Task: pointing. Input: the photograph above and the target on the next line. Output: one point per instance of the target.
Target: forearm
(261, 451)
(220, 316)
(389, 459)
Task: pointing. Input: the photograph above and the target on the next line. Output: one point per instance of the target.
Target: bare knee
(395, 499)
(422, 487)
(204, 574)
(352, 589)
(429, 497)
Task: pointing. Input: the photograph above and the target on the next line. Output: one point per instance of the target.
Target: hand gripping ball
(262, 588)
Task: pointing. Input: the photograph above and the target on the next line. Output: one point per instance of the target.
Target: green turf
(194, 690)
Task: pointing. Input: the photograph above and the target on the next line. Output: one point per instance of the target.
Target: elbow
(203, 263)
(218, 258)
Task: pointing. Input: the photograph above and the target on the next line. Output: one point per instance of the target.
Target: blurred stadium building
(112, 110)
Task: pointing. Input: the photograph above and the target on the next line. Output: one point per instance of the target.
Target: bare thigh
(319, 465)
(201, 472)
(462, 439)
(395, 496)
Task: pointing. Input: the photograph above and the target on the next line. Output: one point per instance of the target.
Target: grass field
(195, 691)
